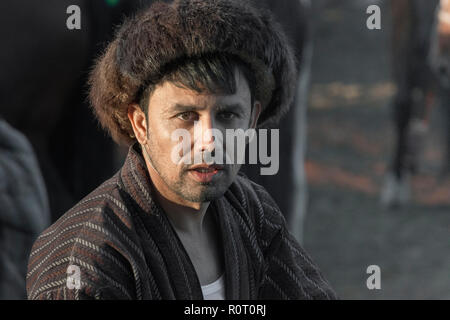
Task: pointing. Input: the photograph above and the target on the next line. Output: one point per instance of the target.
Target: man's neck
(185, 220)
(186, 217)
(194, 226)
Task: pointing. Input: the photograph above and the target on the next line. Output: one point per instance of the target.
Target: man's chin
(208, 193)
(204, 191)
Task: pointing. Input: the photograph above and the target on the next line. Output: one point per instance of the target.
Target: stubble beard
(185, 187)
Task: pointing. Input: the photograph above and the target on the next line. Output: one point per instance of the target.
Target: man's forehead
(170, 96)
(218, 106)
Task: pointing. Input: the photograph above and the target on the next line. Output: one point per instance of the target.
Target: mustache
(190, 167)
(207, 166)
(201, 163)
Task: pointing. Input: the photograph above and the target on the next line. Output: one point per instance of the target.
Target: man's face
(172, 108)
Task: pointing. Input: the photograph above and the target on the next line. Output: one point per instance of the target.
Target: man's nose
(204, 133)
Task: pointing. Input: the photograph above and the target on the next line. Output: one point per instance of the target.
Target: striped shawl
(125, 247)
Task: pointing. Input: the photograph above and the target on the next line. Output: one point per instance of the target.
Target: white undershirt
(215, 290)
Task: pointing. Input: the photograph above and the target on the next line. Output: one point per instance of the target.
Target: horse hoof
(396, 192)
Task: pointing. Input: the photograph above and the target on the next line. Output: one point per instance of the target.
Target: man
(164, 227)
(24, 209)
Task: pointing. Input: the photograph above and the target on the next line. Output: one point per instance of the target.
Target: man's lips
(205, 173)
(207, 167)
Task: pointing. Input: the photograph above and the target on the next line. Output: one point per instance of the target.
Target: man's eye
(188, 116)
(227, 115)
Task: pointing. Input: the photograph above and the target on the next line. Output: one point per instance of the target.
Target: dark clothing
(126, 248)
(24, 210)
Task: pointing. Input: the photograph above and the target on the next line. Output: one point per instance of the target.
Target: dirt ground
(350, 141)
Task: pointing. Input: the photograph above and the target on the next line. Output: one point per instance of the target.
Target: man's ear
(256, 112)
(138, 122)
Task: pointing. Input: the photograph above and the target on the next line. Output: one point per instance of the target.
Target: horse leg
(395, 190)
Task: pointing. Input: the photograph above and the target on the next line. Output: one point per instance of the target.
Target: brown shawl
(125, 247)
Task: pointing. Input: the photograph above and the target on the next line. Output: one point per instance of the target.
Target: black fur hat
(166, 32)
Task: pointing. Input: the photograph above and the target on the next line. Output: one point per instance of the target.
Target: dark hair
(213, 73)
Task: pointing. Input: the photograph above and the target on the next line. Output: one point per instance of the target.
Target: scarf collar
(158, 231)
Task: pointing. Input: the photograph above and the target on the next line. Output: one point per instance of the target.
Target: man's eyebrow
(237, 107)
(179, 107)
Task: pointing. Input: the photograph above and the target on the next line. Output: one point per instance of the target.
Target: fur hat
(166, 32)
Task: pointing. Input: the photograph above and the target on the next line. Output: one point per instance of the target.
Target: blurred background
(364, 164)
(352, 138)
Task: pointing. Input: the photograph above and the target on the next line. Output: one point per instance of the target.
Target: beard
(185, 187)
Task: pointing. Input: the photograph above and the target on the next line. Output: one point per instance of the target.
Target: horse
(411, 34)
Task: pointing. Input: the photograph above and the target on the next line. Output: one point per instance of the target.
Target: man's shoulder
(101, 204)
(97, 230)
